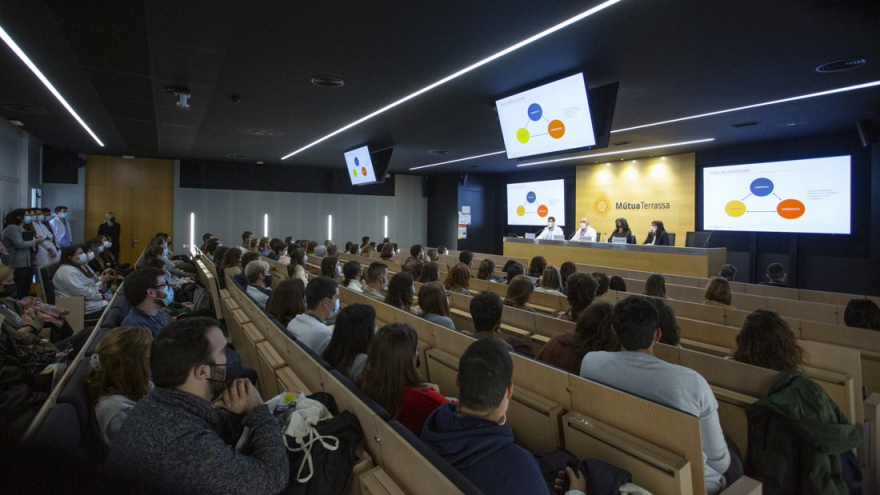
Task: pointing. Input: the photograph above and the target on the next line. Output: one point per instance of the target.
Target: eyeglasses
(162, 286)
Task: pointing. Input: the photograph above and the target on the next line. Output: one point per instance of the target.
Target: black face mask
(112, 219)
(9, 290)
(218, 379)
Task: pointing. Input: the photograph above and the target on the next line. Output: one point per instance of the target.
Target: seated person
(621, 229)
(727, 272)
(617, 283)
(635, 370)
(352, 335)
(432, 256)
(441, 249)
(486, 270)
(537, 266)
(566, 270)
(391, 377)
(413, 265)
(580, 291)
(147, 291)
(280, 251)
(592, 333)
(658, 235)
(73, 278)
(862, 313)
(551, 281)
(486, 309)
(259, 281)
(473, 436)
(584, 231)
(670, 331)
(401, 293)
(655, 286)
(775, 276)
(387, 252)
(518, 293)
(435, 305)
(119, 376)
(430, 273)
(287, 301)
(377, 279)
(467, 258)
(458, 279)
(330, 267)
(176, 440)
(240, 279)
(322, 304)
(766, 340)
(551, 230)
(513, 270)
(718, 293)
(352, 272)
(603, 283)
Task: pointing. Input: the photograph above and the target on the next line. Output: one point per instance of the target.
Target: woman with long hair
(352, 334)
(519, 290)
(401, 293)
(537, 266)
(387, 252)
(352, 271)
(287, 300)
(73, 278)
(486, 271)
(435, 305)
(718, 293)
(19, 242)
(655, 286)
(551, 281)
(458, 279)
(592, 333)
(297, 267)
(391, 377)
(119, 377)
(330, 267)
(767, 341)
(621, 229)
(580, 291)
(231, 260)
(430, 273)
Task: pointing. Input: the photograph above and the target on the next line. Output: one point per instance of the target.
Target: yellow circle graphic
(522, 135)
(735, 208)
(602, 206)
(521, 210)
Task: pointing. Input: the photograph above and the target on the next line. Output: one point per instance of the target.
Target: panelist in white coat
(550, 230)
(584, 231)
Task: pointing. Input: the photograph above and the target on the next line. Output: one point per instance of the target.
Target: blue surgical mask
(169, 296)
(166, 250)
(108, 244)
(305, 259)
(101, 249)
(28, 219)
(40, 218)
(63, 215)
(383, 284)
(91, 255)
(268, 280)
(338, 270)
(335, 310)
(264, 252)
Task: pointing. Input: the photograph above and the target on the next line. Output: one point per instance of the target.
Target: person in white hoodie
(322, 304)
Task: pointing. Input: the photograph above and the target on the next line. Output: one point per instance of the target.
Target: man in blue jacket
(473, 436)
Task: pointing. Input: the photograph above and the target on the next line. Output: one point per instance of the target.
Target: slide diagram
(789, 209)
(531, 198)
(357, 163)
(531, 203)
(555, 128)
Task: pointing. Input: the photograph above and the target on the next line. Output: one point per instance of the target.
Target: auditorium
(577, 248)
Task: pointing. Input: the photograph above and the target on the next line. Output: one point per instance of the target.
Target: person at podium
(584, 231)
(550, 230)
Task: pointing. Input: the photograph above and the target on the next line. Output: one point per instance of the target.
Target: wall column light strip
(266, 225)
(192, 233)
(386, 227)
(587, 157)
(27, 61)
(490, 58)
(330, 227)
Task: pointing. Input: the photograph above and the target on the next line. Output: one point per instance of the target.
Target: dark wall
(61, 166)
(479, 192)
(442, 193)
(225, 175)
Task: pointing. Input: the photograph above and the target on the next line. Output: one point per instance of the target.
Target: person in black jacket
(658, 235)
(111, 230)
(621, 229)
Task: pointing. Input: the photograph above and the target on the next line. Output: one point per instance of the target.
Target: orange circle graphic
(543, 211)
(556, 129)
(790, 209)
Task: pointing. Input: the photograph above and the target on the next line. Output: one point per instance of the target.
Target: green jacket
(796, 436)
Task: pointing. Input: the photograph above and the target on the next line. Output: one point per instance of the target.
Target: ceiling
(114, 60)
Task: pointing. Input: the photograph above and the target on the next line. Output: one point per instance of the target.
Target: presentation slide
(796, 196)
(360, 166)
(547, 119)
(530, 203)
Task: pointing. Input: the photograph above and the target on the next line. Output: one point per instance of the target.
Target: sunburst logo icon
(602, 206)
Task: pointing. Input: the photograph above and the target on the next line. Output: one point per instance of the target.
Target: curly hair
(766, 340)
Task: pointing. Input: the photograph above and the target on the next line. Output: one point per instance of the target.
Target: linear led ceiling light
(756, 105)
(490, 58)
(646, 148)
(459, 160)
(27, 61)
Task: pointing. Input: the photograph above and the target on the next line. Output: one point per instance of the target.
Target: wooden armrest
(744, 486)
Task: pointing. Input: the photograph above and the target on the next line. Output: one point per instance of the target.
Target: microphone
(706, 244)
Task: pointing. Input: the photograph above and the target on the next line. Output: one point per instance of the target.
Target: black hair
(671, 332)
(486, 308)
(537, 266)
(622, 222)
(179, 348)
(617, 283)
(320, 288)
(415, 250)
(634, 320)
(551, 219)
(137, 283)
(602, 281)
(580, 290)
(660, 227)
(328, 266)
(430, 273)
(466, 257)
(861, 313)
(375, 270)
(485, 371)
(350, 270)
(566, 270)
(514, 270)
(727, 272)
(247, 258)
(59, 208)
(352, 334)
(400, 291)
(776, 271)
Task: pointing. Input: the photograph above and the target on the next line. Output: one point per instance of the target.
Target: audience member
(766, 340)
(486, 270)
(330, 267)
(280, 250)
(387, 252)
(486, 309)
(718, 293)
(432, 255)
(368, 251)
(391, 377)
(333, 250)
(353, 250)
(551, 281)
(205, 238)
(415, 262)
(377, 278)
(728, 272)
(537, 266)
(365, 241)
(246, 258)
(617, 283)
(430, 273)
(435, 305)
(352, 334)
(566, 270)
(147, 292)
(61, 227)
(637, 371)
(297, 267)
(231, 261)
(119, 376)
(401, 293)
(602, 283)
(259, 281)
(775, 276)
(862, 313)
(513, 271)
(458, 279)
(176, 440)
(47, 251)
(655, 286)
(580, 291)
(73, 278)
(352, 272)
(592, 333)
(19, 249)
(246, 238)
(287, 301)
(519, 290)
(441, 249)
(322, 304)
(467, 258)
(670, 332)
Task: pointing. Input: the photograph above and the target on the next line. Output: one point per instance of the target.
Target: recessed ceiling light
(646, 148)
(259, 163)
(20, 108)
(439, 152)
(756, 105)
(841, 65)
(27, 61)
(236, 157)
(16, 123)
(459, 160)
(745, 124)
(128, 157)
(490, 58)
(328, 81)
(265, 133)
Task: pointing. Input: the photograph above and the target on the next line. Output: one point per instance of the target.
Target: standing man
(61, 227)
(112, 231)
(584, 231)
(550, 230)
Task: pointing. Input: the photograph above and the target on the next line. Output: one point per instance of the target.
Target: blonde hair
(718, 290)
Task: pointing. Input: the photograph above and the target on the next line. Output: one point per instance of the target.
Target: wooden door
(140, 192)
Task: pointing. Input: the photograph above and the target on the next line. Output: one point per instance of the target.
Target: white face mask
(91, 255)
(82, 259)
(40, 217)
(653, 229)
(107, 244)
(583, 225)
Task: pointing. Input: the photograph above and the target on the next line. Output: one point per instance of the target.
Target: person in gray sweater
(175, 440)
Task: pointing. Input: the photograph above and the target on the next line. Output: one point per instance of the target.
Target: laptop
(530, 236)
(558, 237)
(587, 238)
(618, 240)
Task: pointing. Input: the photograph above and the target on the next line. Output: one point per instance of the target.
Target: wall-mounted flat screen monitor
(360, 166)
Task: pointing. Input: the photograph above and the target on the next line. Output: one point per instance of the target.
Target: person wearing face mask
(259, 281)
(112, 231)
(46, 251)
(19, 241)
(621, 229)
(176, 440)
(147, 291)
(61, 228)
(322, 304)
(297, 267)
(584, 230)
(74, 278)
(377, 279)
(658, 235)
(551, 230)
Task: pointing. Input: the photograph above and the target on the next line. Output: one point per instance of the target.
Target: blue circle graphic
(356, 161)
(761, 187)
(531, 197)
(535, 112)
